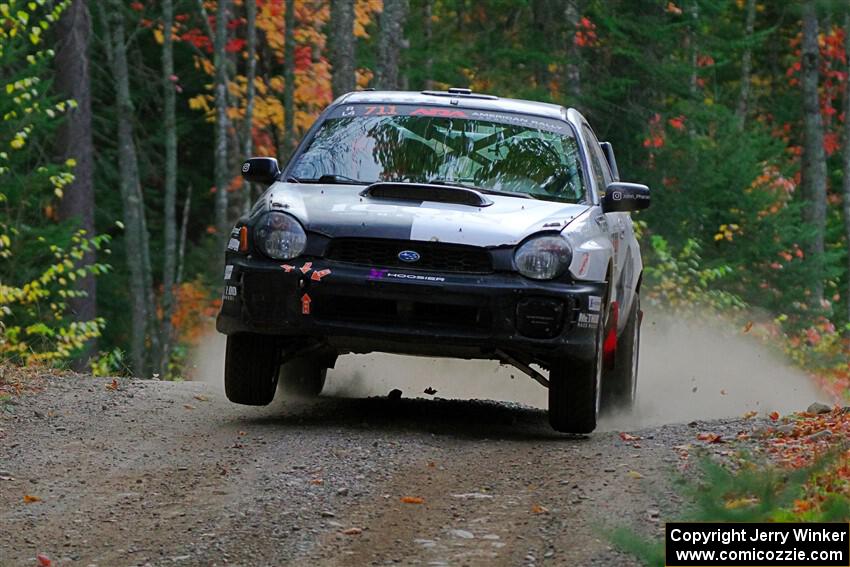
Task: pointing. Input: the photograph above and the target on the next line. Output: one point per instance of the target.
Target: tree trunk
(746, 66)
(170, 197)
(133, 207)
(814, 161)
(429, 39)
(391, 43)
(342, 47)
(248, 134)
(289, 81)
(573, 51)
(846, 156)
(222, 177)
(75, 143)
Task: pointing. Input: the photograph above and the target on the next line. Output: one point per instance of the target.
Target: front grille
(404, 313)
(433, 256)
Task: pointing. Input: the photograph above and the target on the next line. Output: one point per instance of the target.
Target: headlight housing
(543, 258)
(280, 236)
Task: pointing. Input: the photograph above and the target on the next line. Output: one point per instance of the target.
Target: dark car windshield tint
(493, 151)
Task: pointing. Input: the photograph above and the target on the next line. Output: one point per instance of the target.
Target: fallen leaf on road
(430, 391)
(43, 560)
(748, 326)
(634, 474)
(317, 481)
(189, 406)
(629, 437)
(538, 509)
(29, 499)
(710, 437)
(412, 500)
(774, 415)
(740, 503)
(722, 392)
(243, 433)
(352, 531)
(201, 398)
(750, 414)
(112, 385)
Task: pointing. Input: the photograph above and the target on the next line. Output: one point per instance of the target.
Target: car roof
(457, 97)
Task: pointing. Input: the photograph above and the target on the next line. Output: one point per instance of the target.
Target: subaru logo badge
(409, 256)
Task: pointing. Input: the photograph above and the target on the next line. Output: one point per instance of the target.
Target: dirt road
(155, 473)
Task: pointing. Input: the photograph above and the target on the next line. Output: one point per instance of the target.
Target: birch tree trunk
(73, 81)
(846, 157)
(133, 207)
(170, 197)
(572, 16)
(391, 43)
(814, 160)
(343, 79)
(289, 81)
(251, 75)
(222, 177)
(746, 67)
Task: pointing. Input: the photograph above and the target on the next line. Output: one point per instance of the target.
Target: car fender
(591, 246)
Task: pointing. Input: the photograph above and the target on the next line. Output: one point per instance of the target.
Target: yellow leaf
(412, 500)
(159, 36)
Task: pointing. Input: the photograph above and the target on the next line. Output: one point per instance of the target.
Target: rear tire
(574, 391)
(303, 377)
(619, 385)
(251, 364)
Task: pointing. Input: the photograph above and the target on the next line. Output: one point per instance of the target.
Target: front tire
(303, 377)
(620, 383)
(251, 365)
(574, 391)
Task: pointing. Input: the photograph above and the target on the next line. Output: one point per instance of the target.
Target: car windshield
(492, 151)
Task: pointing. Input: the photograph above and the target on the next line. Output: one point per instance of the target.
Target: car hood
(340, 211)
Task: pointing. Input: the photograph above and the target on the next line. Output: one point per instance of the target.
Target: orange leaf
(538, 509)
(629, 437)
(29, 499)
(710, 437)
(43, 560)
(774, 415)
(317, 481)
(113, 385)
(412, 500)
(748, 326)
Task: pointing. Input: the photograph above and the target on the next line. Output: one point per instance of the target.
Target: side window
(598, 162)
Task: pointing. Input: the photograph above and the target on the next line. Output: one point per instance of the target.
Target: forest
(124, 124)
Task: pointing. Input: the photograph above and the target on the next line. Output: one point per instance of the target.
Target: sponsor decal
(582, 269)
(230, 292)
(306, 267)
(349, 111)
(587, 320)
(409, 256)
(389, 110)
(233, 244)
(438, 112)
(617, 196)
(377, 274)
(594, 303)
(305, 304)
(234, 232)
(228, 271)
(246, 167)
(317, 276)
(287, 268)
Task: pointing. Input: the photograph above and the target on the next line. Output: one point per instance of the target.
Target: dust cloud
(688, 370)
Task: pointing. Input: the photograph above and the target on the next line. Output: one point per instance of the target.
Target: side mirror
(623, 197)
(260, 170)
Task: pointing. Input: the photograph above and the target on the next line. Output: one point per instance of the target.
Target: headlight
(280, 236)
(543, 258)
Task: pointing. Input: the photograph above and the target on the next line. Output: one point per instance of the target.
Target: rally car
(449, 224)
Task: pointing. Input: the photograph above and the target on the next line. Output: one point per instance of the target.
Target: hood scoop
(419, 192)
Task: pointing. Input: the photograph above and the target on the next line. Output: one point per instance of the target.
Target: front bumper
(355, 308)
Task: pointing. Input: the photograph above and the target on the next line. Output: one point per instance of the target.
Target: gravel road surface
(156, 473)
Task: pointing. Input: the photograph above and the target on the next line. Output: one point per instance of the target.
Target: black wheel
(251, 364)
(303, 377)
(574, 386)
(619, 385)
